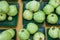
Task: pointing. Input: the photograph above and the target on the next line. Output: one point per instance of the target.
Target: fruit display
(6, 9)
(7, 34)
(34, 17)
(37, 20)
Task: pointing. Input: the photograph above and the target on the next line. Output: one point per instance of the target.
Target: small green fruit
(10, 18)
(12, 11)
(52, 18)
(38, 36)
(33, 6)
(4, 6)
(23, 34)
(58, 10)
(48, 9)
(32, 28)
(28, 15)
(54, 3)
(39, 16)
(2, 17)
(53, 32)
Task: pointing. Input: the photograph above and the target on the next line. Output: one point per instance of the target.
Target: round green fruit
(33, 6)
(32, 28)
(54, 3)
(48, 9)
(28, 15)
(6, 35)
(12, 11)
(39, 16)
(4, 6)
(2, 17)
(10, 18)
(53, 32)
(58, 10)
(23, 34)
(52, 18)
(38, 36)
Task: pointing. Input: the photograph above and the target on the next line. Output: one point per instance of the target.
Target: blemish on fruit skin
(22, 31)
(40, 39)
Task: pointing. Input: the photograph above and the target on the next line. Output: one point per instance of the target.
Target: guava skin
(28, 15)
(52, 18)
(4, 6)
(7, 34)
(32, 28)
(23, 34)
(33, 6)
(54, 3)
(12, 32)
(59, 33)
(10, 18)
(58, 10)
(38, 36)
(2, 17)
(53, 32)
(12, 11)
(39, 16)
(48, 9)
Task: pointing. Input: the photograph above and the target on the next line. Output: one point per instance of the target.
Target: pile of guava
(32, 28)
(7, 11)
(7, 34)
(33, 11)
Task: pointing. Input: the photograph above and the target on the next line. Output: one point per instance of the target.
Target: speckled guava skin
(52, 18)
(38, 36)
(53, 32)
(39, 16)
(54, 3)
(23, 34)
(33, 6)
(58, 10)
(12, 11)
(48, 9)
(32, 28)
(4, 6)
(28, 15)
